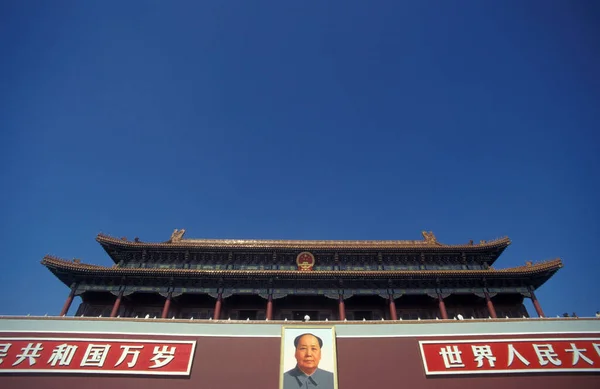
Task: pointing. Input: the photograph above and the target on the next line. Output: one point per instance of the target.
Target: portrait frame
(328, 361)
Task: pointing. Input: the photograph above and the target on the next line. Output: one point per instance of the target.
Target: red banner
(101, 356)
(483, 356)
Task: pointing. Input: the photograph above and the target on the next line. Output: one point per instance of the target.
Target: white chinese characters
(511, 355)
(483, 352)
(62, 354)
(162, 357)
(134, 351)
(452, 356)
(4, 351)
(578, 353)
(29, 353)
(97, 355)
(546, 354)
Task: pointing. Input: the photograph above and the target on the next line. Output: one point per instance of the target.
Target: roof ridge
(429, 241)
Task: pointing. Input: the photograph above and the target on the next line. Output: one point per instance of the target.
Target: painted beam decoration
(96, 356)
(489, 356)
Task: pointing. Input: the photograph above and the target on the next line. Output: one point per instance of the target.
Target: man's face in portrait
(308, 354)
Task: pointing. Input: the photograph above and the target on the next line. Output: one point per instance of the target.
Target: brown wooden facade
(206, 279)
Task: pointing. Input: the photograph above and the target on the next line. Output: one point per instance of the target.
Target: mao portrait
(308, 358)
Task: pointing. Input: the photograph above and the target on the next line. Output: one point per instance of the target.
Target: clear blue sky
(299, 120)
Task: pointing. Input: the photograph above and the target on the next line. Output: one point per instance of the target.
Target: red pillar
(393, 314)
(117, 304)
(442, 307)
(270, 307)
(342, 308)
(490, 306)
(68, 302)
(536, 304)
(218, 306)
(166, 307)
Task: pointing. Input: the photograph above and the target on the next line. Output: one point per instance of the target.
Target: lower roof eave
(68, 271)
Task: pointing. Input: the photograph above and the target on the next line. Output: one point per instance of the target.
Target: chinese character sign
(510, 355)
(79, 355)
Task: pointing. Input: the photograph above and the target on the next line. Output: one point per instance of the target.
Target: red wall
(227, 363)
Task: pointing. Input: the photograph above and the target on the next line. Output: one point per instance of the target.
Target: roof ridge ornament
(177, 235)
(429, 237)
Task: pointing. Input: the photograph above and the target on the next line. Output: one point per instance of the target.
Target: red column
(490, 306)
(442, 307)
(117, 304)
(342, 308)
(218, 306)
(166, 307)
(393, 314)
(270, 307)
(536, 304)
(68, 302)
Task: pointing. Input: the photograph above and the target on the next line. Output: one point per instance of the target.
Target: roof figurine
(177, 236)
(429, 237)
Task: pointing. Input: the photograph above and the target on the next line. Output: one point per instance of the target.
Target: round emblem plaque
(305, 261)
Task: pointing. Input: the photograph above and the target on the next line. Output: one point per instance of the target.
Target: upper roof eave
(428, 244)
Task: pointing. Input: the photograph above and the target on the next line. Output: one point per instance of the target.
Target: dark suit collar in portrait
(318, 378)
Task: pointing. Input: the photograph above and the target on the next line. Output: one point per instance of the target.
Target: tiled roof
(54, 263)
(428, 243)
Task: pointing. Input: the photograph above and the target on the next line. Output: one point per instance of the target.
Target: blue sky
(299, 120)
